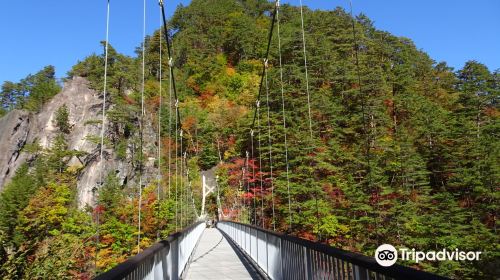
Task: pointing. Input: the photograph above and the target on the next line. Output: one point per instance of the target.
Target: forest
(401, 149)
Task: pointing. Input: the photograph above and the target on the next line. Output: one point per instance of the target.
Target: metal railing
(287, 257)
(166, 259)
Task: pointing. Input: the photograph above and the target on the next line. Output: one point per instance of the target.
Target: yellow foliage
(230, 71)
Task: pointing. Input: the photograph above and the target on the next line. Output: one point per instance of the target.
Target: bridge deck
(216, 258)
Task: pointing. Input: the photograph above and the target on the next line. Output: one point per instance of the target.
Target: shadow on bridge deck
(216, 258)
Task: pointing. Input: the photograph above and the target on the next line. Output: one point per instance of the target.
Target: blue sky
(39, 33)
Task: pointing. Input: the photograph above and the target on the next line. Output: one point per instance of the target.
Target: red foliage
(307, 235)
(490, 220)
(231, 141)
(249, 180)
(465, 202)
(376, 197)
(206, 98)
(335, 193)
(99, 210)
(248, 195)
(389, 103)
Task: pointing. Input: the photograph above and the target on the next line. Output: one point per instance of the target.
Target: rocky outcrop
(19, 128)
(14, 130)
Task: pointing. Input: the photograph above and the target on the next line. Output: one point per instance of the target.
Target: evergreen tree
(14, 198)
(62, 119)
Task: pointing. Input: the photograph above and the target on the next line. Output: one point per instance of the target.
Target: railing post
(267, 253)
(239, 235)
(250, 240)
(360, 273)
(257, 246)
(307, 264)
(281, 258)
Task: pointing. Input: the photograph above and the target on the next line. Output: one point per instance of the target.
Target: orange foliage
(414, 195)
(167, 143)
(128, 99)
(492, 112)
(154, 101)
(206, 97)
(189, 122)
(191, 83)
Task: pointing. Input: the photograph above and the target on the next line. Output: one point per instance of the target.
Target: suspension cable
(190, 189)
(247, 173)
(363, 105)
(103, 123)
(176, 167)
(184, 190)
(178, 122)
(270, 143)
(260, 166)
(256, 117)
(186, 187)
(186, 174)
(253, 176)
(316, 191)
(159, 119)
(219, 205)
(181, 179)
(141, 124)
(266, 58)
(284, 118)
(170, 133)
(169, 49)
(306, 70)
(159, 127)
(242, 187)
(261, 86)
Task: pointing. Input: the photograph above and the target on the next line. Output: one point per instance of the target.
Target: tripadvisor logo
(387, 255)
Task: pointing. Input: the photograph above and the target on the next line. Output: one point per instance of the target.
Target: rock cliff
(19, 128)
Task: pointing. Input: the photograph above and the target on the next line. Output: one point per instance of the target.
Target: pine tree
(62, 119)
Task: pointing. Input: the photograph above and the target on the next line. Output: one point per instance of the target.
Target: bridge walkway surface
(217, 258)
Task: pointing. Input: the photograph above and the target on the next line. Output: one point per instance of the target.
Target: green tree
(62, 119)
(10, 95)
(39, 88)
(14, 198)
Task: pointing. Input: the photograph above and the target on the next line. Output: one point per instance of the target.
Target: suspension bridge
(227, 249)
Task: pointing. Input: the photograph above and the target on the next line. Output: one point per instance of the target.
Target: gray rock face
(19, 128)
(14, 130)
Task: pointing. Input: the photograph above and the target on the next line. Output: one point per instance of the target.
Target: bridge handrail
(165, 259)
(290, 257)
